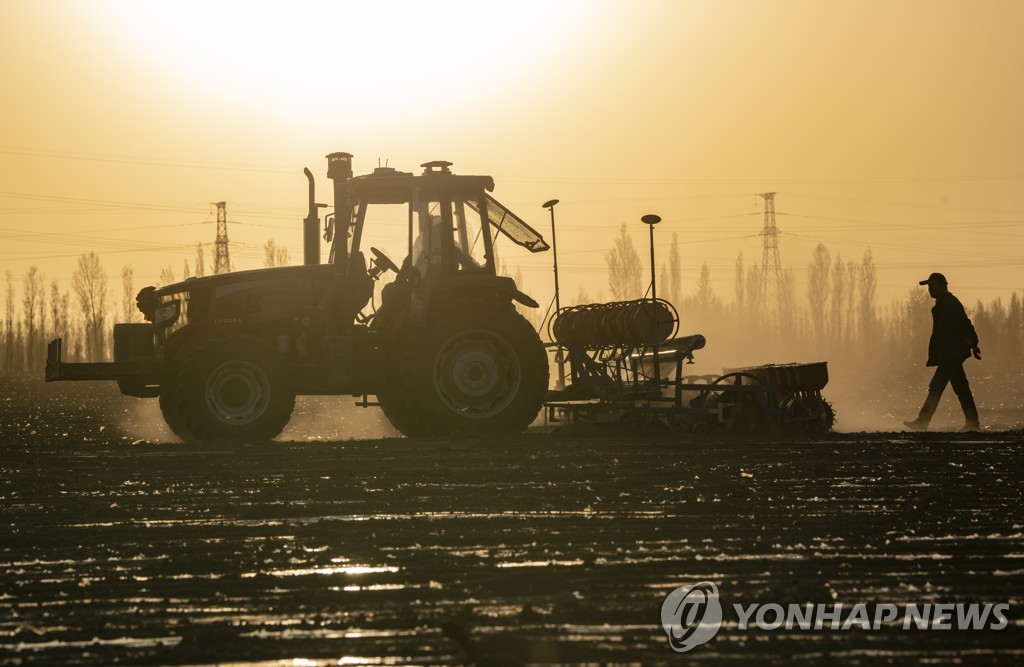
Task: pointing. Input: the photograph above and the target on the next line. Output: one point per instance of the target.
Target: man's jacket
(953, 335)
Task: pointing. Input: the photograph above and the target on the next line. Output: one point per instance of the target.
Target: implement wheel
(230, 388)
(741, 410)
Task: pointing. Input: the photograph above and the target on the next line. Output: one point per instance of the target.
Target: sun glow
(318, 58)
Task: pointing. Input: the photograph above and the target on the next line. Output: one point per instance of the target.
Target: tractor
(444, 351)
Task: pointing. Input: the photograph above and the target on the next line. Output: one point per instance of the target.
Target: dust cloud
(872, 387)
(332, 418)
(316, 418)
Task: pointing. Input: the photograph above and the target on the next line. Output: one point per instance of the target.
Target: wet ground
(121, 546)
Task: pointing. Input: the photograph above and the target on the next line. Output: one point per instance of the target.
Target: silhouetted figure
(953, 341)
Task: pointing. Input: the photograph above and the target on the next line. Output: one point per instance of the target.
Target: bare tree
(837, 325)
(277, 255)
(1014, 323)
(58, 311)
(705, 296)
(42, 310)
(166, 275)
(39, 360)
(675, 285)
(739, 283)
(65, 311)
(9, 342)
(128, 310)
(65, 315)
(664, 284)
(55, 326)
(33, 300)
(867, 284)
(89, 282)
(852, 271)
(19, 347)
(789, 324)
(186, 273)
(624, 268)
(817, 288)
(753, 290)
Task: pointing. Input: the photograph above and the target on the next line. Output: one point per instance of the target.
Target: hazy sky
(894, 126)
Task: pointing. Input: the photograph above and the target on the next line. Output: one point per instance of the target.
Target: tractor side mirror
(329, 230)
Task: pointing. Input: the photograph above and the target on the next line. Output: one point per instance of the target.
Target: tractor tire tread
(189, 426)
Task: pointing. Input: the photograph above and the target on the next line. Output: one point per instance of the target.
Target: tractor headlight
(166, 314)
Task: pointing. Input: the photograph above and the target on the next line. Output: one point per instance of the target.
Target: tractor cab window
(380, 226)
(426, 234)
(447, 234)
(469, 236)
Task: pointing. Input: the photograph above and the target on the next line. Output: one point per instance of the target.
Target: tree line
(837, 317)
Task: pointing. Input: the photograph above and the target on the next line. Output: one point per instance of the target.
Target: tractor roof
(389, 186)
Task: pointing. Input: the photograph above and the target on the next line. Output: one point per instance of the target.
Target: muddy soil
(123, 547)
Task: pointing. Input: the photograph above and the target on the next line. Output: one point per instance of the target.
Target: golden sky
(894, 126)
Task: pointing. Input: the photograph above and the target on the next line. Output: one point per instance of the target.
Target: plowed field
(122, 546)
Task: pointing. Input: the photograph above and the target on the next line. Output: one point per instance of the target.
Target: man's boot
(927, 410)
(970, 411)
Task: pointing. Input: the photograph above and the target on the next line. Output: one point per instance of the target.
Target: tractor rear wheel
(230, 388)
(475, 368)
(402, 407)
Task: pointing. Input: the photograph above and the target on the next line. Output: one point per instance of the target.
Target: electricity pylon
(221, 262)
(771, 266)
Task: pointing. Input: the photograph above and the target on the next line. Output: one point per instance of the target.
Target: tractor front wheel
(231, 388)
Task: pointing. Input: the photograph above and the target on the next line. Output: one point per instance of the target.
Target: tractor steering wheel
(383, 261)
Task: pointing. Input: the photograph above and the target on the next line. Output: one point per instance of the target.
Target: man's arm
(969, 333)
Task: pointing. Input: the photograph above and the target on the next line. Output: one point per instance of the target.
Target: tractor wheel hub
(237, 392)
(477, 374)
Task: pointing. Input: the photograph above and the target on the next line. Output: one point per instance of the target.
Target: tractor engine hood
(150, 298)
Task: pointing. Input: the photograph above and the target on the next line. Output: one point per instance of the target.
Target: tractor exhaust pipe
(311, 226)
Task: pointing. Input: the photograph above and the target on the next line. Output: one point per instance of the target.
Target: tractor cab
(444, 227)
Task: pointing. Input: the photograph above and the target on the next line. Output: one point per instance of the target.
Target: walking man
(953, 341)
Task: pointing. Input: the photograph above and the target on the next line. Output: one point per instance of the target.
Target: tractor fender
(500, 284)
(525, 299)
(484, 283)
(183, 342)
(393, 317)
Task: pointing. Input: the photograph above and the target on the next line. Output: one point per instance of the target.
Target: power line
(126, 159)
(908, 225)
(6, 230)
(173, 208)
(854, 180)
(104, 252)
(896, 246)
(882, 202)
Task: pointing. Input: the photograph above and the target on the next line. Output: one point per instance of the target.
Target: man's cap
(934, 279)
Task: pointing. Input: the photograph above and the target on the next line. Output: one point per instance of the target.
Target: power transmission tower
(771, 265)
(221, 262)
